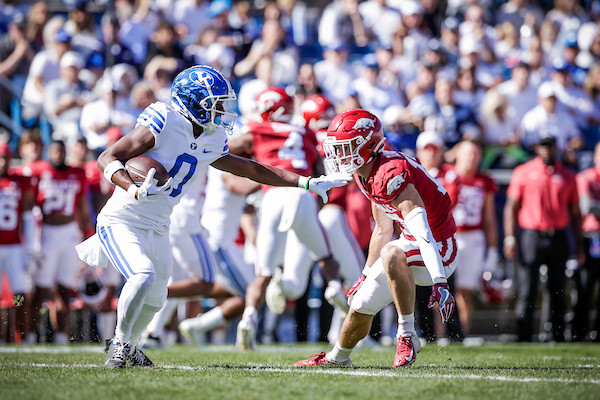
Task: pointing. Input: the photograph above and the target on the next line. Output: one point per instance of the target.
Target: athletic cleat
(274, 294)
(192, 334)
(137, 358)
(407, 348)
(320, 360)
(337, 299)
(152, 342)
(118, 353)
(246, 334)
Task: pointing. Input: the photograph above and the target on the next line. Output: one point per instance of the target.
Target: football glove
(441, 294)
(149, 188)
(323, 183)
(355, 286)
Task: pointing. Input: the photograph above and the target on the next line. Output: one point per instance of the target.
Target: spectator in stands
(65, 98)
(271, 44)
(81, 27)
(112, 47)
(468, 93)
(164, 42)
(341, 22)
(541, 200)
(227, 34)
(44, 68)
(518, 11)
(534, 57)
(588, 186)
(592, 89)
(454, 116)
(334, 73)
(36, 20)
(449, 39)
(546, 119)
(567, 13)
(520, 94)
(137, 25)
(380, 20)
(418, 33)
(190, 17)
(16, 54)
(571, 98)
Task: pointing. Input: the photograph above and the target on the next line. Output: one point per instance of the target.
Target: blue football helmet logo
(204, 96)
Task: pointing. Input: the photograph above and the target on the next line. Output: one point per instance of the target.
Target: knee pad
(157, 295)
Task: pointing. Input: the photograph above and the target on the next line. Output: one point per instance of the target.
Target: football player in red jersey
(65, 220)
(276, 142)
(400, 190)
(16, 224)
(472, 194)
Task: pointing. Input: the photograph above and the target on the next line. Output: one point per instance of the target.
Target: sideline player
(17, 197)
(274, 141)
(400, 190)
(133, 227)
(472, 195)
(65, 222)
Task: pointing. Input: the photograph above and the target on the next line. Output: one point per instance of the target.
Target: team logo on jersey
(364, 123)
(394, 184)
(194, 146)
(202, 78)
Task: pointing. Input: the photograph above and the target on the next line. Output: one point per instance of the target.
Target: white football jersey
(185, 218)
(222, 211)
(182, 155)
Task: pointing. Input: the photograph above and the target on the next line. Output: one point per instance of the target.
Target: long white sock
(157, 325)
(145, 316)
(105, 323)
(208, 320)
(338, 353)
(406, 325)
(249, 313)
(131, 300)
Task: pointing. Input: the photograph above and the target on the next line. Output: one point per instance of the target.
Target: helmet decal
(364, 123)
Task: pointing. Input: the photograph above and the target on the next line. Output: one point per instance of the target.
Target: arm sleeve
(416, 222)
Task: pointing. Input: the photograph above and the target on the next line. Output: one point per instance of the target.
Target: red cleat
(406, 350)
(319, 360)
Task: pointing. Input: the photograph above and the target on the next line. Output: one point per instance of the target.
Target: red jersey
(12, 190)
(93, 175)
(588, 184)
(289, 147)
(391, 173)
(545, 194)
(59, 191)
(468, 195)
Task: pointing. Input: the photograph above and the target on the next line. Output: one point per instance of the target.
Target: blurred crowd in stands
(502, 74)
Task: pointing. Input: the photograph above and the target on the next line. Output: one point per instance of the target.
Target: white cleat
(191, 333)
(274, 294)
(246, 334)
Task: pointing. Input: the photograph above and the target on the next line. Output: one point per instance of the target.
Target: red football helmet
(274, 104)
(495, 290)
(317, 112)
(353, 138)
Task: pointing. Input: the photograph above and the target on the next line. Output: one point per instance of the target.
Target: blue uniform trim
(152, 119)
(113, 254)
(208, 270)
(228, 269)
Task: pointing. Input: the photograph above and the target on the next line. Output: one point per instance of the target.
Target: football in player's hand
(138, 167)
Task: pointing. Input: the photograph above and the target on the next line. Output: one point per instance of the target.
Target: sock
(130, 304)
(105, 323)
(208, 320)
(144, 317)
(249, 313)
(406, 325)
(157, 326)
(338, 353)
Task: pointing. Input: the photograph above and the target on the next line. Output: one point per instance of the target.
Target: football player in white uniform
(132, 229)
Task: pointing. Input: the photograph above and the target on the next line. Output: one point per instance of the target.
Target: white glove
(323, 183)
(149, 187)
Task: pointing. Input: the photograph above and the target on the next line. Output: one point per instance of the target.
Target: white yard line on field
(341, 371)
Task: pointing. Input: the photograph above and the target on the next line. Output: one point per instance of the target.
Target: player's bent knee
(392, 256)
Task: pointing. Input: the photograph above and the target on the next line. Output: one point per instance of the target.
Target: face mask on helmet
(205, 97)
(353, 138)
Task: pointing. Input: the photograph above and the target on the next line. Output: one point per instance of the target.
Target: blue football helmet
(204, 96)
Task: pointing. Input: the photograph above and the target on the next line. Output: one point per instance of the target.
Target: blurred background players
(65, 221)
(472, 195)
(17, 242)
(284, 211)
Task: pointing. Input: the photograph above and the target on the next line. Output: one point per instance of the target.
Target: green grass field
(489, 372)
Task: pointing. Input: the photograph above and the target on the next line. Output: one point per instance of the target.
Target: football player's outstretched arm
(256, 171)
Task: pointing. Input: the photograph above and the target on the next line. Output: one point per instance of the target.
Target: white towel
(90, 252)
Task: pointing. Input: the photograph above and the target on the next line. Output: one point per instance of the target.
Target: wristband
(510, 240)
(366, 270)
(111, 168)
(303, 181)
(132, 190)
